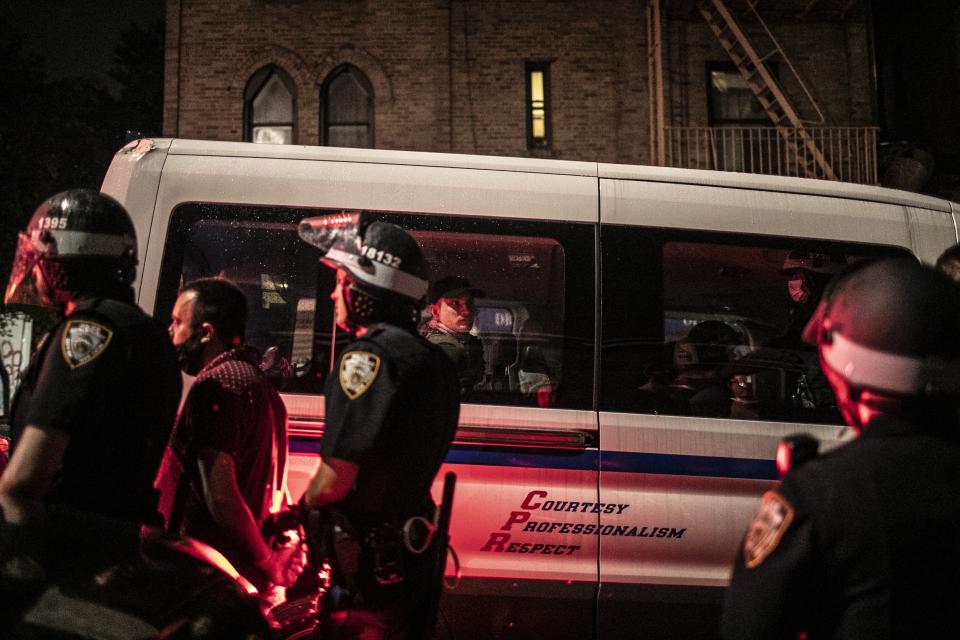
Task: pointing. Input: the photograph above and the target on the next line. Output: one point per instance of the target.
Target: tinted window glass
(709, 325)
(534, 320)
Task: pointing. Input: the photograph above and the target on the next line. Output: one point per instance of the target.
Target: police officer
(864, 541)
(785, 382)
(392, 404)
(92, 416)
(453, 311)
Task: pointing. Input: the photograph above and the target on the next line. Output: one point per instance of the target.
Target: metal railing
(850, 151)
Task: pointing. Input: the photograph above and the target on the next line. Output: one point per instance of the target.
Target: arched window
(346, 102)
(270, 107)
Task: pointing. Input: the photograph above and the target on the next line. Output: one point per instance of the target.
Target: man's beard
(190, 354)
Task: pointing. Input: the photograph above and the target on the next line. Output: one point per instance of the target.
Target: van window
(709, 325)
(537, 346)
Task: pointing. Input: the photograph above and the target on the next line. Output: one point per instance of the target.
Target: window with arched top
(270, 107)
(346, 104)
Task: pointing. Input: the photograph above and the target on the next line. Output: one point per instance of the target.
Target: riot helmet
(891, 328)
(78, 241)
(387, 271)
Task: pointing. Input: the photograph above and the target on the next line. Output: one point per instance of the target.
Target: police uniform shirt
(107, 375)
(863, 542)
(392, 405)
(466, 352)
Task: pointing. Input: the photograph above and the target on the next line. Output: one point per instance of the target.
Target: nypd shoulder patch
(767, 528)
(358, 370)
(83, 341)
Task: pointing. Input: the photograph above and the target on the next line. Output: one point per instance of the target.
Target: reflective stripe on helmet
(865, 367)
(85, 243)
(379, 274)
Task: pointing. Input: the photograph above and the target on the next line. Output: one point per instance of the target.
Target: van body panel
(691, 485)
(381, 156)
(133, 179)
(779, 184)
(378, 187)
(509, 462)
(931, 233)
(589, 513)
(725, 209)
(954, 211)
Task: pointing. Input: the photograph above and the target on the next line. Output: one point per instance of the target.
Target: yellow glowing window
(538, 129)
(538, 112)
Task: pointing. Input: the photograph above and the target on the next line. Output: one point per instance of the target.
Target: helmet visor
(22, 286)
(339, 230)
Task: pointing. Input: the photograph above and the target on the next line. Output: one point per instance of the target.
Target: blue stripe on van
(303, 444)
(671, 464)
(586, 460)
(573, 459)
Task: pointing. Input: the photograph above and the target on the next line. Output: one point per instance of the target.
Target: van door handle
(515, 437)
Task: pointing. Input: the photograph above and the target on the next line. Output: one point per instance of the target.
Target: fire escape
(793, 145)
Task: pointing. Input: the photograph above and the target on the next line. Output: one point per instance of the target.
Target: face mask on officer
(798, 288)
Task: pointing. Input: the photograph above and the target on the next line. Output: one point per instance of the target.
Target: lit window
(347, 104)
(538, 104)
(269, 107)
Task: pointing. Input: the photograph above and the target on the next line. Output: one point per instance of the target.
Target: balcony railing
(850, 151)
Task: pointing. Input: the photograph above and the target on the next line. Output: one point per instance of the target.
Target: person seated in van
(698, 359)
(538, 367)
(786, 374)
(453, 312)
(655, 395)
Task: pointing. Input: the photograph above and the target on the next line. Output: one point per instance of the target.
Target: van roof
(751, 181)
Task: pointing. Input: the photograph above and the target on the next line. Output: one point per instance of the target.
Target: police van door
(526, 451)
(704, 292)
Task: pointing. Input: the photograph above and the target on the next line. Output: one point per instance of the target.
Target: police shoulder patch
(83, 341)
(358, 370)
(767, 528)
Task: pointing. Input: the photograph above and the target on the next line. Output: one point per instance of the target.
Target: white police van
(650, 299)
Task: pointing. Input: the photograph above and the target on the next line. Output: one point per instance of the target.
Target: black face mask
(190, 354)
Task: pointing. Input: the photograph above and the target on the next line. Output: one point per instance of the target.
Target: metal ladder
(752, 66)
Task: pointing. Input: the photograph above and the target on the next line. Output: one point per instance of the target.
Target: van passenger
(453, 312)
(698, 358)
(784, 373)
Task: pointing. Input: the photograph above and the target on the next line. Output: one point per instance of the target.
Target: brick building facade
(452, 75)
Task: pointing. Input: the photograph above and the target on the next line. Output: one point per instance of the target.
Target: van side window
(709, 325)
(534, 318)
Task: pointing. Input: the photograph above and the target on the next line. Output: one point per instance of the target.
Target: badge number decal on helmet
(83, 341)
(358, 370)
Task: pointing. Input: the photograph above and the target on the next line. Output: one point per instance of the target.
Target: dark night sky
(77, 38)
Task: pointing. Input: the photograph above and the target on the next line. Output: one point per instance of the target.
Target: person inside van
(538, 365)
(697, 359)
(453, 312)
(784, 375)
